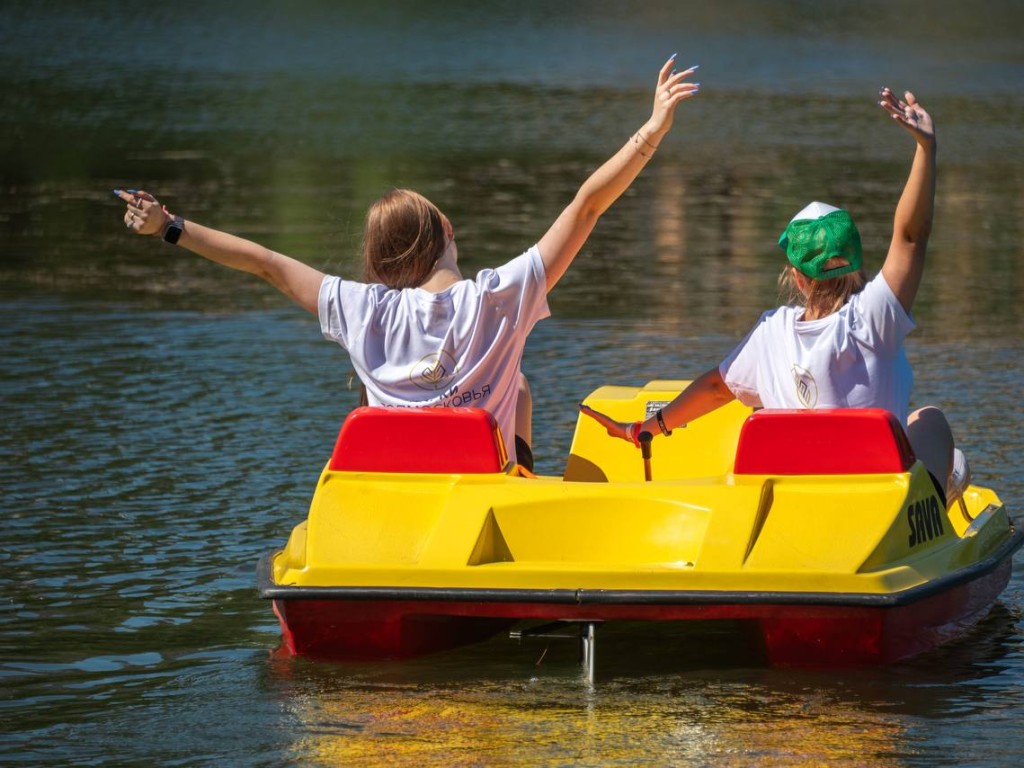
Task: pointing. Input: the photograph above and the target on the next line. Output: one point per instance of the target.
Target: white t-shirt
(462, 346)
(853, 358)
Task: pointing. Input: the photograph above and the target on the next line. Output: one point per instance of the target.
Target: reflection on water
(165, 420)
(666, 709)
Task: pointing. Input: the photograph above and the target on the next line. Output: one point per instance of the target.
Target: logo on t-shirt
(434, 372)
(806, 387)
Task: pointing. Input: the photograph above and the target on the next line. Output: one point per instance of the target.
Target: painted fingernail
(131, 191)
(695, 67)
(673, 55)
(117, 192)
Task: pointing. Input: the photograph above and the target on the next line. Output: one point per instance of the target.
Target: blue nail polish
(117, 192)
(673, 55)
(695, 67)
(131, 191)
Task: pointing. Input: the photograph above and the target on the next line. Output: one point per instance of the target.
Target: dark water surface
(165, 420)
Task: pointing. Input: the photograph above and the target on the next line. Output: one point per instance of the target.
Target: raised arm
(298, 281)
(561, 243)
(912, 224)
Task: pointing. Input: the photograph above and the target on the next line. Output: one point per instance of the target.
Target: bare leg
(524, 411)
(932, 440)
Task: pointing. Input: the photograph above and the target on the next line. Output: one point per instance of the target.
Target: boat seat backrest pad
(838, 441)
(414, 440)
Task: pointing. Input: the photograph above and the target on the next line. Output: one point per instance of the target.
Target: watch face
(173, 232)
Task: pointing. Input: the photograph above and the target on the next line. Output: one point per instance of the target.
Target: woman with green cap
(840, 343)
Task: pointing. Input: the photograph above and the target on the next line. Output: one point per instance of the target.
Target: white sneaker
(959, 478)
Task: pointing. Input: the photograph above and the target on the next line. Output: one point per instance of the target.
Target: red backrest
(839, 441)
(438, 440)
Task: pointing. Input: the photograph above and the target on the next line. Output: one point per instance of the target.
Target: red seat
(437, 440)
(839, 441)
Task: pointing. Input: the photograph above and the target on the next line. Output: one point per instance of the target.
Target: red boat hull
(795, 629)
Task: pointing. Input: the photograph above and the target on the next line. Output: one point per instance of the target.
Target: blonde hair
(824, 296)
(403, 238)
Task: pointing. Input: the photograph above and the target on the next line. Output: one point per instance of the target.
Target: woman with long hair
(418, 333)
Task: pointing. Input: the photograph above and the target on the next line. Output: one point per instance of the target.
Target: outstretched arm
(702, 396)
(561, 243)
(298, 281)
(912, 224)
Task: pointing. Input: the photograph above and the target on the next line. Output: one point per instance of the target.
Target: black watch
(174, 230)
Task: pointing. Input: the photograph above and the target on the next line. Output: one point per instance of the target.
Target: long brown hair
(824, 296)
(403, 238)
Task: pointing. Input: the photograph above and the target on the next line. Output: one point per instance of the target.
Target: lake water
(165, 420)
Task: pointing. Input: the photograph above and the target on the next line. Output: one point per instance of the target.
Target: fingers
(678, 93)
(900, 110)
(907, 106)
(675, 88)
(670, 82)
(676, 77)
(596, 416)
(905, 111)
(890, 102)
(613, 427)
(911, 108)
(136, 199)
(134, 195)
(131, 215)
(666, 69)
(139, 205)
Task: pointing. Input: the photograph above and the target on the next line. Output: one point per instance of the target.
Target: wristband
(661, 424)
(633, 433)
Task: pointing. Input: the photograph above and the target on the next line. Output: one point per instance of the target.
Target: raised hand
(909, 114)
(671, 90)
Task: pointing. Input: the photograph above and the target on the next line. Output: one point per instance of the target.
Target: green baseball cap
(818, 233)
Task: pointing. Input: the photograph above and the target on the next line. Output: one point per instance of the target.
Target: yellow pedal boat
(816, 529)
